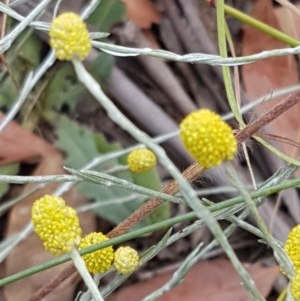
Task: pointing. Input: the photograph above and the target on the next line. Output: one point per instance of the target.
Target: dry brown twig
(190, 174)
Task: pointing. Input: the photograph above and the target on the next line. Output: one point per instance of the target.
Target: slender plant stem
(263, 27)
(55, 282)
(85, 275)
(191, 173)
(188, 193)
(219, 235)
(221, 26)
(265, 191)
(260, 222)
(272, 114)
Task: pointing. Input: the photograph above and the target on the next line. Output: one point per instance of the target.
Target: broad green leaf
(8, 92)
(10, 169)
(63, 88)
(102, 67)
(81, 146)
(151, 180)
(77, 141)
(29, 48)
(108, 13)
(22, 57)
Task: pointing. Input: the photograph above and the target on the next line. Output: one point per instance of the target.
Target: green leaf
(77, 142)
(108, 13)
(29, 48)
(8, 92)
(81, 146)
(102, 67)
(63, 88)
(151, 180)
(10, 169)
(22, 57)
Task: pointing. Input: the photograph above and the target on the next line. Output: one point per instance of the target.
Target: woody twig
(191, 174)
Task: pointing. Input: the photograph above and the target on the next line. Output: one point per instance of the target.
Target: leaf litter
(212, 280)
(271, 74)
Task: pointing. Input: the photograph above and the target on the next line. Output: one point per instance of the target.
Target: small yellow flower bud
(56, 224)
(69, 37)
(295, 287)
(208, 138)
(292, 246)
(126, 260)
(141, 160)
(99, 261)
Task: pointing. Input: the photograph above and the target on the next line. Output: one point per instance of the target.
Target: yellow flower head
(208, 138)
(292, 246)
(141, 160)
(126, 260)
(56, 224)
(99, 261)
(295, 287)
(69, 37)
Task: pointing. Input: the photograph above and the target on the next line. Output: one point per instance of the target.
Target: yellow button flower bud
(295, 287)
(99, 261)
(292, 246)
(69, 37)
(126, 260)
(208, 138)
(56, 224)
(141, 160)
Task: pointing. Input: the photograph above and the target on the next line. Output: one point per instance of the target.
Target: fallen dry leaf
(142, 12)
(267, 75)
(207, 281)
(288, 21)
(30, 252)
(18, 144)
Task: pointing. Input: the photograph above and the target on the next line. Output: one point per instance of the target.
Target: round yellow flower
(292, 246)
(56, 224)
(69, 37)
(208, 138)
(126, 260)
(141, 160)
(99, 261)
(295, 287)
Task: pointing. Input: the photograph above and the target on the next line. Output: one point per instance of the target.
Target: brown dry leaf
(142, 12)
(266, 75)
(288, 21)
(30, 252)
(274, 73)
(210, 280)
(18, 144)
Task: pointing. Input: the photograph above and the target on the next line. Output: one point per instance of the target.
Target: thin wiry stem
(184, 186)
(200, 58)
